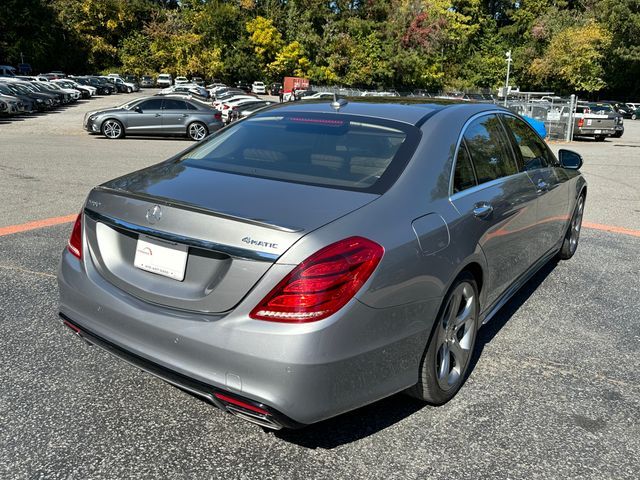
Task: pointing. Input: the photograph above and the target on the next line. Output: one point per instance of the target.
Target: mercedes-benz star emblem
(154, 214)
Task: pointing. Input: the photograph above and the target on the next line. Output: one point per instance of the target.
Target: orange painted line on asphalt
(611, 228)
(47, 222)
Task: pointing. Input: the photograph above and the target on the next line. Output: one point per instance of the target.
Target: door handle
(542, 186)
(158, 114)
(482, 210)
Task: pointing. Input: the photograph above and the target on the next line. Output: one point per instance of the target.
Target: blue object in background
(537, 125)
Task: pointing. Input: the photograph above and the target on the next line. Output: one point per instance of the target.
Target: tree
(573, 59)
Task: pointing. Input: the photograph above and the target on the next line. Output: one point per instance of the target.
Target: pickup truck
(592, 121)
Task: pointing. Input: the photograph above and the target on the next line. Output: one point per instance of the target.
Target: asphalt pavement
(554, 391)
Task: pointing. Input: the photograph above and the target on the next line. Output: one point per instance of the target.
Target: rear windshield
(332, 150)
(601, 107)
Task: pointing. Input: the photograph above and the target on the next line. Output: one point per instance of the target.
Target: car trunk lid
(234, 228)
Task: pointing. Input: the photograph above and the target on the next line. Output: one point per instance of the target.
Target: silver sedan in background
(316, 257)
(156, 116)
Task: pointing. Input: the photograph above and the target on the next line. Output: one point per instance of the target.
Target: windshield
(348, 152)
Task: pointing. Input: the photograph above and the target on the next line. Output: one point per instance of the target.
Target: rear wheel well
(476, 270)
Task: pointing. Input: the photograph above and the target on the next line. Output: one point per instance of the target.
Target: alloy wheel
(455, 339)
(112, 129)
(197, 131)
(576, 225)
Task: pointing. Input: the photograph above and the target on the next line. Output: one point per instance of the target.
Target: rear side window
(190, 106)
(489, 149)
(464, 176)
(532, 149)
(172, 104)
(340, 151)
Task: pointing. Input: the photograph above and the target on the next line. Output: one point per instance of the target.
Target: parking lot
(554, 391)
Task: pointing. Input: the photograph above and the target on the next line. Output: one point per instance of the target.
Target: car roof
(411, 113)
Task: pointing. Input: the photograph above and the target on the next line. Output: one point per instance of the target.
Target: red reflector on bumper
(240, 403)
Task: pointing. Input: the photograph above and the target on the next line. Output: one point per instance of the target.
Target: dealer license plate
(161, 257)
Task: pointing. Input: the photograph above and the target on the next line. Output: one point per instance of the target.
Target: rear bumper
(272, 419)
(592, 132)
(302, 373)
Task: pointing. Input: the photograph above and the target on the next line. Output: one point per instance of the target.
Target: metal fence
(557, 114)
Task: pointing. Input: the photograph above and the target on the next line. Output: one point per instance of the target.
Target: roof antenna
(336, 104)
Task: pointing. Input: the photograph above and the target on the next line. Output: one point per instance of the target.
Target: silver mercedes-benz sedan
(316, 257)
(156, 116)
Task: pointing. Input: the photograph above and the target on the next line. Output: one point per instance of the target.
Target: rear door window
(173, 104)
(464, 176)
(340, 151)
(489, 149)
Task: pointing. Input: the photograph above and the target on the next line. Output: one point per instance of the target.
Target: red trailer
(298, 83)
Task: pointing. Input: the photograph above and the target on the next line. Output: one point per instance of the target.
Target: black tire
(572, 235)
(112, 129)
(634, 116)
(438, 382)
(618, 134)
(599, 138)
(197, 131)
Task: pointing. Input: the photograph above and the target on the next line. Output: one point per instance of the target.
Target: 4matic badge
(259, 243)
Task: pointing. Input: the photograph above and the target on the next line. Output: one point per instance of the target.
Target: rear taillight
(74, 245)
(580, 122)
(322, 284)
(225, 107)
(218, 116)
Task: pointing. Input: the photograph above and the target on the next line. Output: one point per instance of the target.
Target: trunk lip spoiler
(194, 208)
(235, 252)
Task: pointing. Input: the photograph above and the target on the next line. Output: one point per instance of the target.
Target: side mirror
(137, 109)
(570, 159)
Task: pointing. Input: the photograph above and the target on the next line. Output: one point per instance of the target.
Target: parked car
(7, 71)
(14, 104)
(70, 94)
(59, 96)
(85, 91)
(155, 116)
(229, 106)
(246, 109)
(164, 80)
(594, 124)
(258, 88)
(244, 86)
(102, 86)
(275, 89)
(122, 86)
(220, 101)
(43, 101)
(198, 81)
(189, 88)
(180, 80)
(604, 108)
(318, 96)
(29, 103)
(284, 270)
(147, 81)
(135, 81)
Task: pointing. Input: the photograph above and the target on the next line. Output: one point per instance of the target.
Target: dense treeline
(584, 46)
